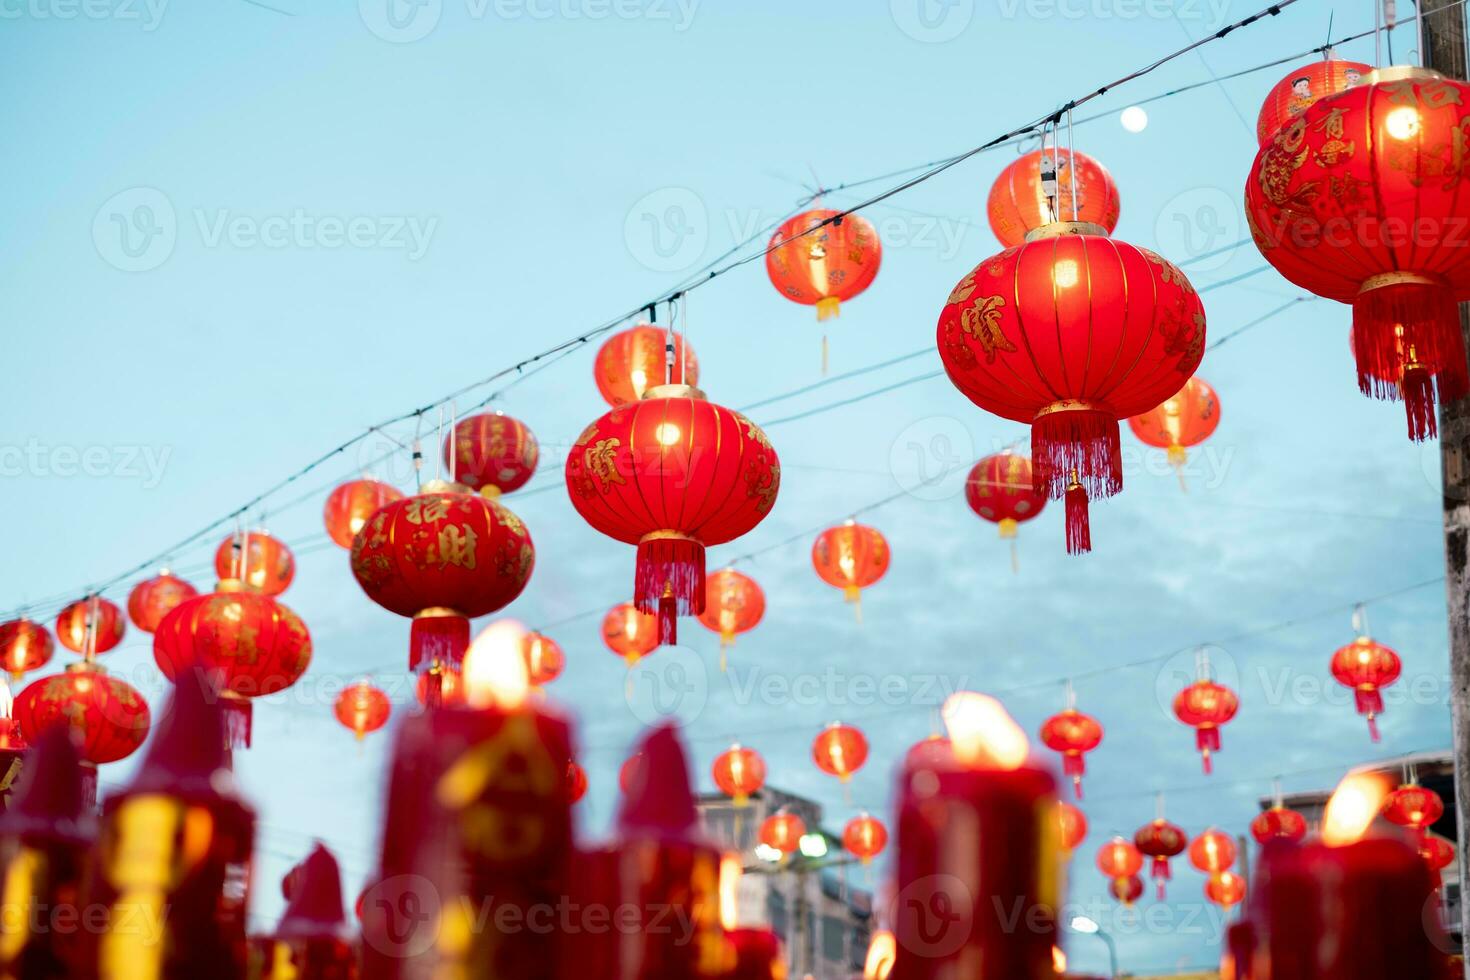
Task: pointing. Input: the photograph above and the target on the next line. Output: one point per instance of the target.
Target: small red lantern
(1226, 889)
(1439, 854)
(154, 598)
(268, 567)
(107, 716)
(492, 453)
(1367, 668)
(840, 750)
(733, 604)
(352, 505)
(1073, 824)
(739, 772)
(1187, 418)
(865, 837)
(1000, 490)
(1120, 860)
(1127, 890)
(576, 782)
(782, 831)
(629, 633)
(851, 557)
(821, 257)
(1212, 852)
(1073, 734)
(544, 658)
(1279, 823)
(90, 626)
(439, 687)
(634, 360)
(362, 708)
(1161, 840)
(25, 645)
(1413, 807)
(1302, 87)
(672, 474)
(1205, 706)
(1084, 191)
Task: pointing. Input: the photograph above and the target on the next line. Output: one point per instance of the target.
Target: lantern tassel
(239, 714)
(434, 688)
(1076, 446)
(825, 354)
(1178, 456)
(438, 636)
(1407, 344)
(1208, 740)
(1079, 530)
(726, 641)
(1418, 391)
(669, 580)
(1076, 767)
(1370, 703)
(1162, 874)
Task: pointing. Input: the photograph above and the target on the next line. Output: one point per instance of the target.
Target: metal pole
(1112, 953)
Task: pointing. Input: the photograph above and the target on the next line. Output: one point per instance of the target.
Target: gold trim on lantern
(439, 612)
(229, 585)
(86, 667)
(443, 486)
(1399, 278)
(1398, 73)
(1060, 229)
(1070, 405)
(674, 391)
(666, 536)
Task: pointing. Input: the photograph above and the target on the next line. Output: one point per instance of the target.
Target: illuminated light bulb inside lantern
(737, 765)
(1353, 806)
(495, 669)
(730, 872)
(1134, 119)
(639, 377)
(1402, 123)
(982, 733)
(667, 434)
(882, 950)
(1058, 959)
(630, 623)
(1064, 274)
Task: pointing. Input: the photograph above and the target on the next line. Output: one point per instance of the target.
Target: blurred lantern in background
(1119, 860)
(262, 563)
(544, 658)
(739, 772)
(154, 598)
(1212, 852)
(820, 258)
(1073, 734)
(1413, 807)
(840, 750)
(90, 626)
(363, 708)
(1184, 419)
(1000, 490)
(1049, 185)
(851, 557)
(1439, 854)
(1366, 668)
(1205, 706)
(445, 686)
(865, 837)
(782, 831)
(1226, 889)
(629, 633)
(1126, 890)
(1302, 87)
(25, 645)
(733, 604)
(1161, 840)
(352, 504)
(576, 782)
(634, 360)
(492, 453)
(1073, 823)
(1279, 823)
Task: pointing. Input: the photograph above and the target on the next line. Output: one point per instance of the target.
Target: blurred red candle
(754, 952)
(313, 940)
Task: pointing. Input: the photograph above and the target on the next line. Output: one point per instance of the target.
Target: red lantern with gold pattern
(1073, 734)
(442, 557)
(629, 633)
(1212, 852)
(822, 257)
(1161, 840)
(1279, 823)
(1226, 889)
(25, 645)
(1301, 88)
(1084, 191)
(1367, 668)
(840, 750)
(544, 658)
(1073, 823)
(672, 474)
(352, 504)
(1126, 890)
(1000, 490)
(1414, 808)
(576, 782)
(154, 598)
(107, 716)
(733, 604)
(739, 772)
(851, 557)
(1186, 418)
(492, 453)
(247, 641)
(91, 620)
(268, 567)
(1205, 706)
(1135, 332)
(634, 360)
(782, 831)
(362, 708)
(1357, 200)
(865, 837)
(1119, 860)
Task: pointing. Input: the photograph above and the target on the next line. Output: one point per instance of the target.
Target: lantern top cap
(674, 391)
(229, 585)
(1397, 73)
(1061, 229)
(443, 486)
(85, 667)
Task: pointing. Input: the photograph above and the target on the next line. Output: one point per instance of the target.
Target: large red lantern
(851, 557)
(1083, 190)
(1161, 840)
(733, 604)
(820, 258)
(1073, 734)
(154, 598)
(1358, 200)
(1205, 706)
(442, 557)
(247, 641)
(629, 633)
(362, 708)
(1073, 825)
(352, 504)
(1186, 418)
(1212, 852)
(1302, 87)
(1279, 823)
(634, 360)
(544, 658)
(865, 837)
(1414, 808)
(1119, 860)
(672, 474)
(782, 831)
(108, 717)
(492, 453)
(1001, 490)
(739, 772)
(1069, 333)
(1225, 889)
(1367, 668)
(840, 750)
(25, 645)
(90, 626)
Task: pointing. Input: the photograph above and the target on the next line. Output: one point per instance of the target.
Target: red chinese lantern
(1301, 88)
(1073, 734)
(268, 567)
(739, 772)
(820, 258)
(1279, 823)
(782, 831)
(1073, 823)
(1127, 890)
(1161, 840)
(1439, 854)
(1413, 807)
(362, 708)
(1352, 201)
(576, 782)
(1135, 332)
(840, 750)
(733, 603)
(352, 505)
(672, 474)
(442, 557)
(1083, 191)
(851, 557)
(544, 658)
(629, 633)
(90, 626)
(1367, 668)
(1205, 706)
(1212, 852)
(634, 360)
(1225, 889)
(442, 686)
(108, 717)
(1119, 860)
(865, 837)
(1186, 418)
(492, 453)
(154, 598)
(251, 644)
(1000, 490)
(25, 645)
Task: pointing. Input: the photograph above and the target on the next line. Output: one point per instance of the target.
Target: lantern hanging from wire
(1280, 822)
(1206, 706)
(90, 626)
(352, 505)
(260, 562)
(1413, 807)
(1073, 824)
(362, 709)
(25, 645)
(1050, 184)
(865, 837)
(629, 633)
(1073, 734)
(851, 557)
(634, 360)
(1126, 890)
(1226, 889)
(1301, 88)
(733, 604)
(1366, 667)
(1120, 860)
(1212, 852)
(1186, 418)
(1161, 840)
(154, 598)
(1001, 490)
(821, 258)
(840, 750)
(491, 452)
(782, 831)
(1438, 854)
(739, 772)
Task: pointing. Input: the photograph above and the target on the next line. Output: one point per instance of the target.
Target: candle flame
(495, 669)
(1058, 959)
(982, 732)
(730, 872)
(7, 701)
(1353, 806)
(882, 949)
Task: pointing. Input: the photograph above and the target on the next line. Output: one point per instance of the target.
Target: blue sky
(353, 214)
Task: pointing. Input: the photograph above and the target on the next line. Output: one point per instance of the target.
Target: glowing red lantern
(1186, 418)
(851, 557)
(1127, 890)
(672, 474)
(1212, 852)
(1344, 201)
(1439, 854)
(1413, 807)
(544, 658)
(1000, 490)
(629, 633)
(107, 716)
(840, 750)
(439, 687)
(352, 505)
(1073, 823)
(1119, 860)
(782, 831)
(1073, 734)
(1205, 706)
(1302, 87)
(154, 598)
(268, 565)
(1279, 823)
(820, 258)
(1225, 889)
(442, 557)
(634, 360)
(91, 625)
(733, 603)
(1083, 191)
(865, 837)
(739, 772)
(362, 708)
(1135, 332)
(1367, 668)
(1161, 840)
(492, 453)
(25, 645)
(576, 782)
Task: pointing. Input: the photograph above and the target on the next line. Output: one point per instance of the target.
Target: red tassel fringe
(1079, 529)
(89, 785)
(434, 689)
(1162, 873)
(1078, 446)
(1208, 741)
(239, 714)
(1407, 344)
(438, 639)
(669, 582)
(1418, 392)
(1370, 703)
(1076, 767)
